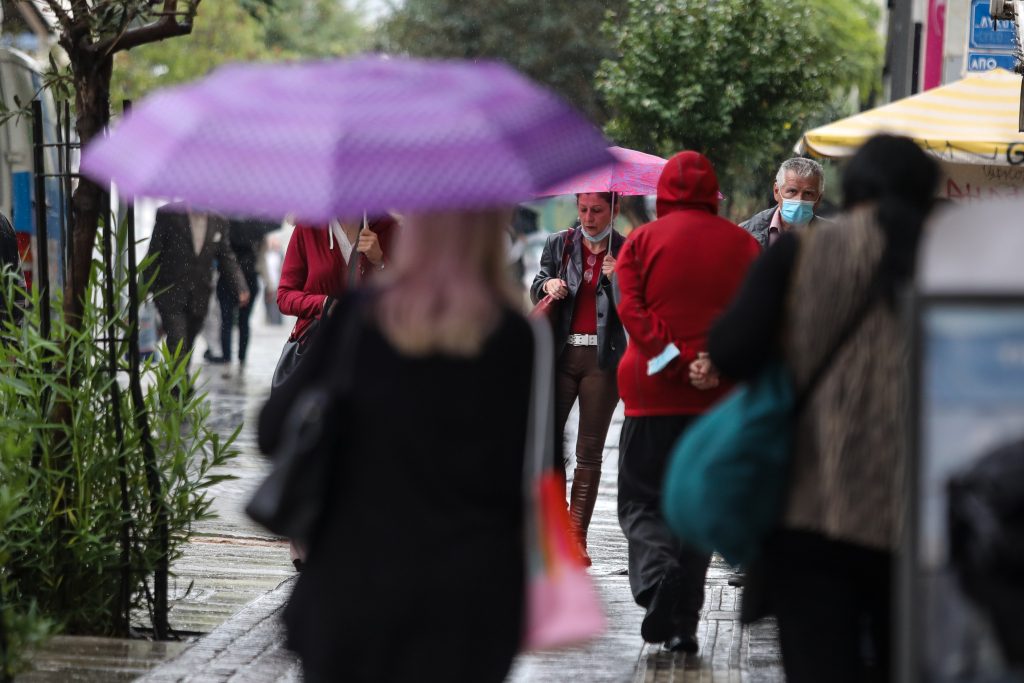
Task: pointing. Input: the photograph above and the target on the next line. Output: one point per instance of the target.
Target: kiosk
(969, 401)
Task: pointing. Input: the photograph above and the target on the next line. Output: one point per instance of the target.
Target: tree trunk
(92, 102)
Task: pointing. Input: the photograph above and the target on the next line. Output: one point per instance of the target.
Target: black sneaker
(657, 626)
(682, 643)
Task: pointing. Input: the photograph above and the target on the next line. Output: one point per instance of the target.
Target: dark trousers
(578, 375)
(833, 603)
(229, 308)
(181, 327)
(654, 551)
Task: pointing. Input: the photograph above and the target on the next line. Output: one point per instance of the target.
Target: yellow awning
(973, 120)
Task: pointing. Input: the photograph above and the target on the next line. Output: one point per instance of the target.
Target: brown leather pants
(578, 376)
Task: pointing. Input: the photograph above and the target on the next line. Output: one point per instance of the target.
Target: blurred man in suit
(185, 244)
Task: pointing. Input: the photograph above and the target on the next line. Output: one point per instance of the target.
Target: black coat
(416, 572)
(611, 337)
(184, 279)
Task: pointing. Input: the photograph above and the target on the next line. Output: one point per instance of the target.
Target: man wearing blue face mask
(799, 186)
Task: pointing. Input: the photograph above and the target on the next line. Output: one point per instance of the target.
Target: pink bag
(563, 607)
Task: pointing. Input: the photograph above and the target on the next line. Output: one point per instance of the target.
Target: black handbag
(292, 354)
(291, 498)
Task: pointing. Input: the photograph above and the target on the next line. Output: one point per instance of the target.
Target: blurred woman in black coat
(416, 571)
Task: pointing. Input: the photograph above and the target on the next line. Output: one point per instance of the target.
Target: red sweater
(676, 275)
(312, 270)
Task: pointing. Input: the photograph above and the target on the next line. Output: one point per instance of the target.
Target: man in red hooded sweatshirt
(675, 276)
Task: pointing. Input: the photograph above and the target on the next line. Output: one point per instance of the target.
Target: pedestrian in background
(269, 267)
(246, 238)
(416, 570)
(676, 275)
(184, 245)
(827, 573)
(798, 189)
(321, 263)
(575, 267)
(316, 265)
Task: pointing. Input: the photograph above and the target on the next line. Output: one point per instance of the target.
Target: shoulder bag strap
(339, 379)
(540, 442)
(566, 253)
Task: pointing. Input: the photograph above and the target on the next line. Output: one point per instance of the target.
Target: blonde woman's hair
(448, 283)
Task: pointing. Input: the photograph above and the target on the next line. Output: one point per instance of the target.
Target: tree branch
(167, 26)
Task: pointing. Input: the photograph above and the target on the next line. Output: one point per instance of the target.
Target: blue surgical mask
(603, 235)
(797, 212)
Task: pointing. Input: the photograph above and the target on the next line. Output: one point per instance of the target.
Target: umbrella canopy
(973, 120)
(334, 138)
(633, 173)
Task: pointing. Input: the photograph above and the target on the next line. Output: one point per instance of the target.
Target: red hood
(688, 181)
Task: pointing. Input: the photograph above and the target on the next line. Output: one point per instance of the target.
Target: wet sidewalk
(234, 580)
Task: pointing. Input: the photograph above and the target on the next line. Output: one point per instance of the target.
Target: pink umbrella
(340, 137)
(633, 173)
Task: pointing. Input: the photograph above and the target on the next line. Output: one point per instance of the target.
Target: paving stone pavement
(234, 579)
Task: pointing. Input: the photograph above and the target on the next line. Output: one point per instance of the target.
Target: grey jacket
(184, 279)
(611, 338)
(758, 224)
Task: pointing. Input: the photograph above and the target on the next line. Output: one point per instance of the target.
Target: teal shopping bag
(727, 475)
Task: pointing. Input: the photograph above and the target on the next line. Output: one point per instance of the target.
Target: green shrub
(82, 507)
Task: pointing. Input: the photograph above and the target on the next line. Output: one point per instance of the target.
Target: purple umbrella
(336, 138)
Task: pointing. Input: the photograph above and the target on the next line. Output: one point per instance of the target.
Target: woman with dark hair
(826, 573)
(576, 267)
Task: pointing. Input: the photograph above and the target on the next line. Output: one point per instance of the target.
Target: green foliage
(556, 42)
(63, 510)
(21, 625)
(738, 80)
(238, 31)
(314, 28)
(223, 32)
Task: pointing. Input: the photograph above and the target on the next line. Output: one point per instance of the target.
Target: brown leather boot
(581, 505)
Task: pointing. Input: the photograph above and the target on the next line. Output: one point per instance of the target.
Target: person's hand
(703, 374)
(244, 298)
(556, 288)
(608, 266)
(369, 244)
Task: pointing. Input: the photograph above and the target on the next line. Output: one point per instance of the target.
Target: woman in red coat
(318, 268)
(316, 265)
(676, 275)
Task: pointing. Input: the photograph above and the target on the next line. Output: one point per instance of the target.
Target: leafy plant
(556, 42)
(87, 517)
(738, 80)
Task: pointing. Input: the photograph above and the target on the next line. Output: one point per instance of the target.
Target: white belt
(582, 340)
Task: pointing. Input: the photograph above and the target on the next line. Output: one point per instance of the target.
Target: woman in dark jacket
(416, 569)
(576, 267)
(842, 518)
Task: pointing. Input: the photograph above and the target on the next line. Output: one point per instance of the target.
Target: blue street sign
(986, 36)
(984, 61)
